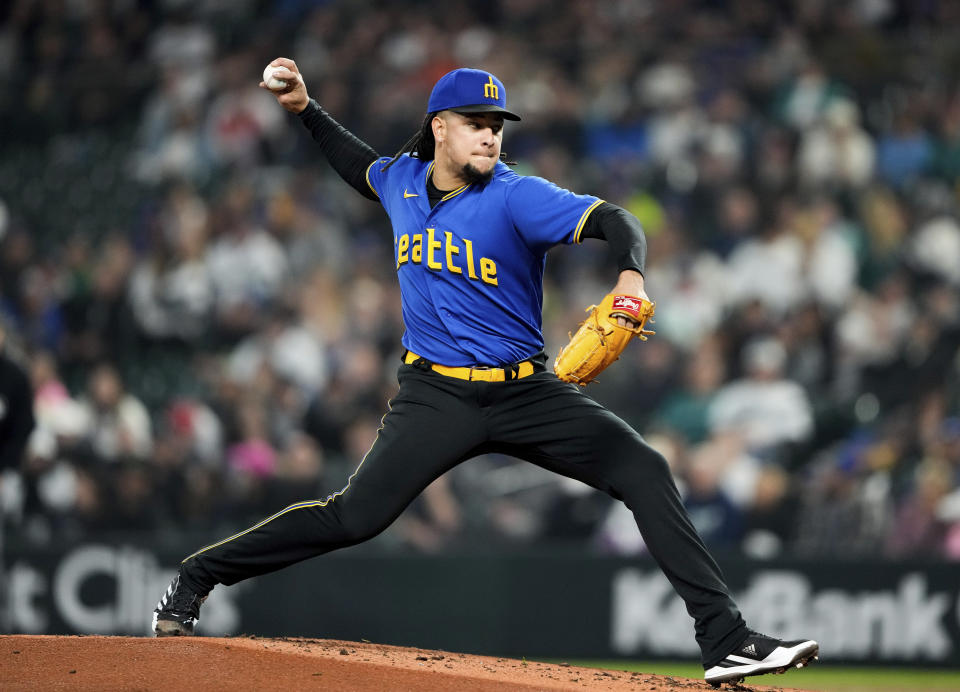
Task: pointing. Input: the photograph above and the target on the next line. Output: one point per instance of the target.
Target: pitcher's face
(468, 144)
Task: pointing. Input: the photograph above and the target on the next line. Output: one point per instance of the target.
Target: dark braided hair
(422, 144)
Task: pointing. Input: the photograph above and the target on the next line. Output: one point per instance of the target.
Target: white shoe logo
(752, 650)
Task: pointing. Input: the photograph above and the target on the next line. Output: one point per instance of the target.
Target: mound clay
(249, 663)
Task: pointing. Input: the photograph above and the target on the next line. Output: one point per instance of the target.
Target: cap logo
(490, 90)
(466, 90)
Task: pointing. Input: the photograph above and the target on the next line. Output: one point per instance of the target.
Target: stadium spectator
(768, 411)
(717, 518)
(917, 530)
(116, 424)
(837, 153)
(686, 410)
(794, 184)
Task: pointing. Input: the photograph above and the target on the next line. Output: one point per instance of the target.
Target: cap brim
(486, 108)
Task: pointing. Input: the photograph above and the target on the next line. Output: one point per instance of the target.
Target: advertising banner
(544, 605)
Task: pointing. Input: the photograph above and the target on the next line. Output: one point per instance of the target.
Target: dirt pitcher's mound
(242, 663)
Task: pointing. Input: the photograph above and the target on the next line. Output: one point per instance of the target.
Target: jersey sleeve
(547, 215)
(376, 178)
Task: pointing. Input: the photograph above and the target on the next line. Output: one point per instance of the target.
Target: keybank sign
(101, 589)
(871, 612)
(907, 620)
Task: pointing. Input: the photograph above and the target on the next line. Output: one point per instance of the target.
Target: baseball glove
(600, 340)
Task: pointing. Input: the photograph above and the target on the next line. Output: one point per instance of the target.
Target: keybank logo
(905, 621)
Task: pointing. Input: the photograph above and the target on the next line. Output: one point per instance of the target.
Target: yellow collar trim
(450, 194)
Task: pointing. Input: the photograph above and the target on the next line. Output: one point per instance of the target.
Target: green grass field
(828, 678)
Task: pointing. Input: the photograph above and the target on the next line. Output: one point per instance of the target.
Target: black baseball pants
(434, 423)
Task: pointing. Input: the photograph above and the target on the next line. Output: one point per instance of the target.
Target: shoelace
(184, 601)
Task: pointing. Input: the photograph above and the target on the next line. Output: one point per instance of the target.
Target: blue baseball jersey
(471, 268)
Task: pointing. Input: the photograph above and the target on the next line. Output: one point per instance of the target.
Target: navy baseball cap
(466, 90)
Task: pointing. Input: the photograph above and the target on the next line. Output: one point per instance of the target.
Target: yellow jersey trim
(300, 505)
(454, 193)
(450, 194)
(583, 221)
(369, 183)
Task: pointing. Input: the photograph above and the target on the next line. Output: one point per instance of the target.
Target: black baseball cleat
(758, 655)
(178, 610)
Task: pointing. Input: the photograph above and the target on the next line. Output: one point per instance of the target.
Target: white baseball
(271, 81)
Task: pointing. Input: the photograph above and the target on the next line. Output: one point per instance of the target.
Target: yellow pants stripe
(300, 505)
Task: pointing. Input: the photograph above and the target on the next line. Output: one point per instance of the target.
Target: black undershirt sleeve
(622, 230)
(349, 155)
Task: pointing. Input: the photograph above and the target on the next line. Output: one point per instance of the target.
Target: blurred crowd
(210, 318)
